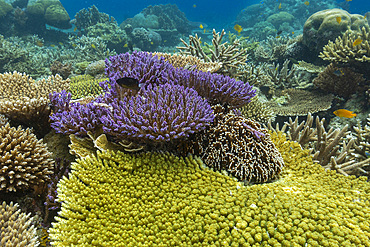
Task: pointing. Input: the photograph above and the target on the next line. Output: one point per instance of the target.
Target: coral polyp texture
(150, 69)
(157, 114)
(24, 160)
(239, 146)
(21, 97)
(16, 227)
(157, 199)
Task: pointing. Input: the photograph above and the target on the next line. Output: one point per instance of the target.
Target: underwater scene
(185, 123)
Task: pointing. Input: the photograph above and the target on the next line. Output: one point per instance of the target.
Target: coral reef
(25, 160)
(89, 17)
(189, 62)
(64, 70)
(258, 111)
(84, 86)
(255, 75)
(158, 114)
(95, 68)
(343, 50)
(297, 102)
(323, 26)
(230, 56)
(16, 227)
(239, 146)
(340, 81)
(162, 200)
(26, 100)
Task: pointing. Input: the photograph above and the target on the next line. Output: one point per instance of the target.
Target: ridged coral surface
(24, 160)
(157, 199)
(16, 229)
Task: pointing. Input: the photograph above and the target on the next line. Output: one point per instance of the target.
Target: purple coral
(157, 114)
(75, 118)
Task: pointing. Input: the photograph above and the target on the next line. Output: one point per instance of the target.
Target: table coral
(16, 227)
(157, 199)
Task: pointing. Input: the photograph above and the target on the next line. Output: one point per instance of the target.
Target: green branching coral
(157, 199)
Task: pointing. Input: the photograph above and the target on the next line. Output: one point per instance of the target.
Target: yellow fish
(357, 42)
(238, 28)
(52, 45)
(194, 5)
(75, 29)
(293, 32)
(60, 43)
(204, 30)
(349, 0)
(307, 3)
(93, 46)
(151, 43)
(344, 113)
(201, 26)
(279, 6)
(74, 45)
(339, 19)
(39, 43)
(125, 45)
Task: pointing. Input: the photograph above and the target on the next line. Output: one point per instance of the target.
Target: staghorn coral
(239, 146)
(158, 199)
(258, 111)
(280, 78)
(230, 56)
(297, 102)
(24, 160)
(345, 84)
(158, 114)
(275, 49)
(16, 227)
(343, 50)
(255, 75)
(83, 86)
(189, 62)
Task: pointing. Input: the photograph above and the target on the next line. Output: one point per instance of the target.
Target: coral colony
(163, 130)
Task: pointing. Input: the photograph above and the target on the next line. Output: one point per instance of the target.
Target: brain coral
(24, 160)
(16, 227)
(323, 26)
(157, 199)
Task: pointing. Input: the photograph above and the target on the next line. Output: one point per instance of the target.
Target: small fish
(52, 45)
(339, 19)
(293, 32)
(151, 43)
(204, 30)
(338, 72)
(194, 5)
(93, 46)
(279, 6)
(348, 0)
(238, 28)
(39, 43)
(60, 43)
(279, 32)
(201, 26)
(344, 113)
(74, 45)
(128, 82)
(125, 45)
(75, 29)
(277, 36)
(357, 42)
(307, 3)
(164, 41)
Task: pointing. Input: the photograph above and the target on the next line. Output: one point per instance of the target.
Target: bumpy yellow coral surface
(157, 199)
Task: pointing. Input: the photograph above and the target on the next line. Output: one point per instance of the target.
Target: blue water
(216, 13)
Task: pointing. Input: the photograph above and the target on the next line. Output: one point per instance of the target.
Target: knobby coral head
(157, 114)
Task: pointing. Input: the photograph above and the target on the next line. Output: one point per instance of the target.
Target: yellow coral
(158, 199)
(84, 85)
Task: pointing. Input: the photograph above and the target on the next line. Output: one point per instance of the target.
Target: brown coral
(63, 69)
(340, 81)
(190, 62)
(24, 160)
(16, 227)
(258, 111)
(23, 98)
(231, 144)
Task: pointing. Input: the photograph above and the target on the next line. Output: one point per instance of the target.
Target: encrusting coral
(239, 146)
(16, 227)
(24, 160)
(157, 199)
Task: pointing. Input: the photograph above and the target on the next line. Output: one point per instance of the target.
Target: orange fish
(339, 19)
(357, 42)
(344, 113)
